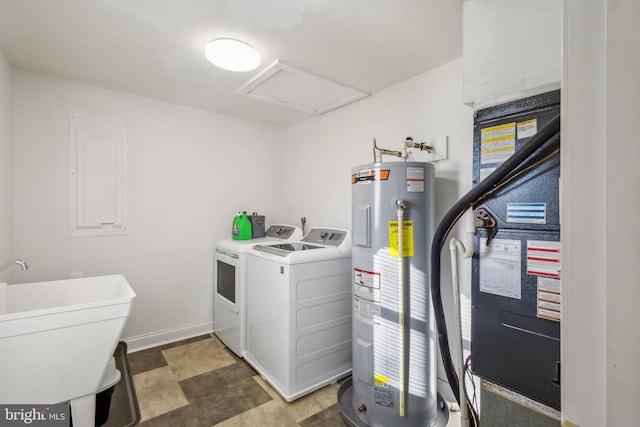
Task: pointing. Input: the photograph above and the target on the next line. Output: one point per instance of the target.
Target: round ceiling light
(232, 55)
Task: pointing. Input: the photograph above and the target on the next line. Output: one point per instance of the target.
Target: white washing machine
(229, 310)
(299, 311)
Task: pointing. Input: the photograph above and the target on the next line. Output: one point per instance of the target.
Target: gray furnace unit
(516, 291)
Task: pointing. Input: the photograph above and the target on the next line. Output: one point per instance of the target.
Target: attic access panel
(287, 86)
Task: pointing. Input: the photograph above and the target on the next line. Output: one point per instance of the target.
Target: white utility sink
(57, 338)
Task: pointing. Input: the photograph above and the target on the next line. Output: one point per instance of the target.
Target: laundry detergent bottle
(241, 229)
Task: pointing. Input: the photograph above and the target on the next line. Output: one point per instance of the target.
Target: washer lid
(284, 249)
(327, 236)
(281, 231)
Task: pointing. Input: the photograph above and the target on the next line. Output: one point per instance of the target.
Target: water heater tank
(394, 377)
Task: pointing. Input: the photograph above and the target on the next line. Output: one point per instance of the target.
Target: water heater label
(366, 296)
(500, 268)
(497, 143)
(366, 284)
(381, 380)
(366, 311)
(415, 180)
(407, 238)
(367, 176)
(383, 396)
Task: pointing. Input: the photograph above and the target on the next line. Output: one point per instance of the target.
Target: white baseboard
(154, 339)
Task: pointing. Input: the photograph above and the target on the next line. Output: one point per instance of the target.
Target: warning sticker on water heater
(415, 180)
(366, 284)
(366, 295)
(383, 396)
(407, 238)
(366, 311)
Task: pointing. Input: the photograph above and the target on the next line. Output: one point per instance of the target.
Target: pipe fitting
(22, 264)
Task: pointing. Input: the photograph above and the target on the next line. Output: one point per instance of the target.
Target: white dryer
(229, 311)
(299, 311)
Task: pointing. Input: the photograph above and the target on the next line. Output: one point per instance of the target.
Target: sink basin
(57, 338)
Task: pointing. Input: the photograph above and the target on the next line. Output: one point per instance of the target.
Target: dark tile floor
(200, 383)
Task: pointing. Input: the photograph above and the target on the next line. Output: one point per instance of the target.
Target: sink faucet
(23, 264)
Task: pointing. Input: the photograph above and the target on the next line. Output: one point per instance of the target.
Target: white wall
(319, 153)
(600, 231)
(189, 173)
(501, 40)
(6, 190)
(583, 339)
(623, 205)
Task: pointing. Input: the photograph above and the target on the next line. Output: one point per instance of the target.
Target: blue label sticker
(527, 213)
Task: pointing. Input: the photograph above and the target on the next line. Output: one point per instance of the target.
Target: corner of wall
(6, 169)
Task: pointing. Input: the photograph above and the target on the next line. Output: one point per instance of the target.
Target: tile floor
(200, 383)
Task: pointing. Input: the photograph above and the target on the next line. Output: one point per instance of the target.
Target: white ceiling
(154, 48)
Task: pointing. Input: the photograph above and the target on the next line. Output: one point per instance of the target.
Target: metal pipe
(23, 264)
(408, 143)
(378, 152)
(403, 153)
(400, 204)
(454, 245)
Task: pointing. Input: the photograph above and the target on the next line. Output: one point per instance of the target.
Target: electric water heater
(394, 374)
